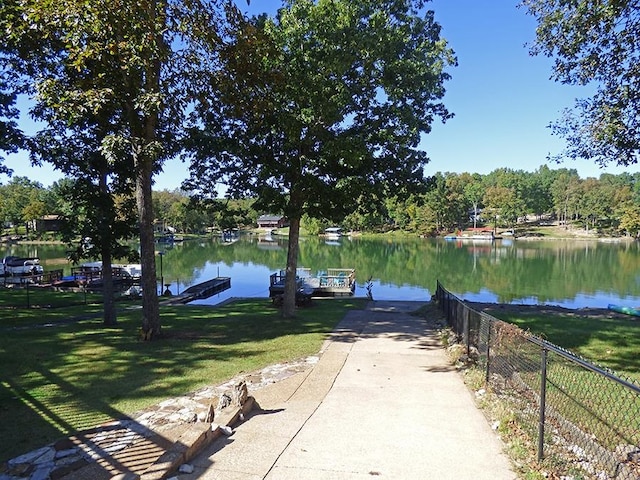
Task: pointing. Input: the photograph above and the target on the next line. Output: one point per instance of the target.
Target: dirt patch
(496, 308)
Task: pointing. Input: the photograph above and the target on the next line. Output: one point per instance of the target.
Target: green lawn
(37, 297)
(610, 342)
(75, 375)
(603, 409)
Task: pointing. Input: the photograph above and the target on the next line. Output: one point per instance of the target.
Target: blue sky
(502, 98)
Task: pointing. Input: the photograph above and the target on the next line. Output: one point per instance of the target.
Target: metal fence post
(486, 379)
(571, 405)
(466, 328)
(543, 398)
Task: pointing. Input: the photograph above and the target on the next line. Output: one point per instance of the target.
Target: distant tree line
(503, 198)
(506, 198)
(25, 201)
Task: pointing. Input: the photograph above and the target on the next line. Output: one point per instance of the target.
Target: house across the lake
(272, 221)
(47, 223)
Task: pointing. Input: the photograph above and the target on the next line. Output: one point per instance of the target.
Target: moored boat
(90, 274)
(626, 310)
(133, 270)
(16, 266)
(482, 236)
(333, 233)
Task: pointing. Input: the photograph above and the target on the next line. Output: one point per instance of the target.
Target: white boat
(21, 266)
(133, 270)
(333, 233)
(483, 237)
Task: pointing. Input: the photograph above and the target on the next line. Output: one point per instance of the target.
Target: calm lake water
(573, 274)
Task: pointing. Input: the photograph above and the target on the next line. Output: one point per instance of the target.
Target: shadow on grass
(45, 418)
(70, 377)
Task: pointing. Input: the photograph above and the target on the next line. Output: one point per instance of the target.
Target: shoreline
(524, 233)
(515, 308)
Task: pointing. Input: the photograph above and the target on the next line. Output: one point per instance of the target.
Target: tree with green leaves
(459, 204)
(34, 210)
(473, 191)
(364, 216)
(97, 225)
(595, 43)
(435, 201)
(75, 148)
(323, 103)
(503, 205)
(16, 196)
(630, 219)
(507, 193)
(566, 190)
(126, 67)
(538, 191)
(11, 137)
(396, 211)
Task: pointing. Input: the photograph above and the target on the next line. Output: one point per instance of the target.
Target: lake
(569, 273)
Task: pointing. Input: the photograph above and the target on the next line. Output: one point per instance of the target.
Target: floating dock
(202, 290)
(334, 282)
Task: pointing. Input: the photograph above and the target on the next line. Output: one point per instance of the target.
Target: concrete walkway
(383, 401)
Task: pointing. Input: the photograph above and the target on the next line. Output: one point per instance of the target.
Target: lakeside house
(47, 223)
(269, 222)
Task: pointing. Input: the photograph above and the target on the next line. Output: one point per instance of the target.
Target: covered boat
(12, 265)
(333, 233)
(626, 310)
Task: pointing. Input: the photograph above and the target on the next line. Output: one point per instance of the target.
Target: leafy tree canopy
(115, 76)
(11, 137)
(322, 104)
(595, 42)
(327, 97)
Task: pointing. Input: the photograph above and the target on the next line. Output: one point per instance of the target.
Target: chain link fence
(572, 410)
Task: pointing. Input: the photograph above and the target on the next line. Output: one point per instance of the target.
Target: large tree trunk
(109, 306)
(291, 284)
(150, 309)
(144, 164)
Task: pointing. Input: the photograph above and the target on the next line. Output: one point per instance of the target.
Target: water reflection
(569, 273)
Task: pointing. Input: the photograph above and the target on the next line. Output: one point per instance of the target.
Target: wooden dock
(334, 282)
(201, 290)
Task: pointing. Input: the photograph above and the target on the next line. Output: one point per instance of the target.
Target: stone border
(177, 429)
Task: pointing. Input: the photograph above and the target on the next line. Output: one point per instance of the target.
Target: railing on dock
(90, 274)
(278, 278)
(51, 276)
(44, 278)
(333, 281)
(338, 277)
